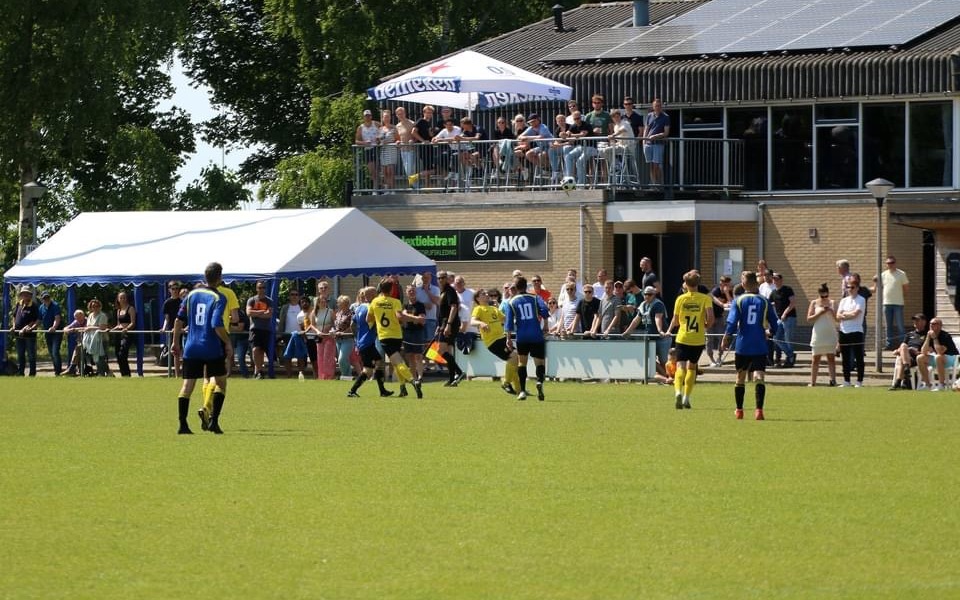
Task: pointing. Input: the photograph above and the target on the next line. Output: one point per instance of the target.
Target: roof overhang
(935, 221)
(681, 210)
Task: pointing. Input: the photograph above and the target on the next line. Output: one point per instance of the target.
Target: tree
(290, 73)
(79, 86)
(217, 189)
(254, 74)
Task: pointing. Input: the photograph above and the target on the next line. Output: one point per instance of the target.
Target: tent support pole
(272, 350)
(71, 305)
(4, 327)
(139, 325)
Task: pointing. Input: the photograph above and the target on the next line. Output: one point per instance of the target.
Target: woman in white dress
(823, 341)
(388, 149)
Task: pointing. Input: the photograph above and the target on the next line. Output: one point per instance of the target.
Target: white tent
(470, 80)
(147, 247)
(137, 248)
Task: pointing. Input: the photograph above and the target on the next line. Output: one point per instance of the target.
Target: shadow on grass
(274, 433)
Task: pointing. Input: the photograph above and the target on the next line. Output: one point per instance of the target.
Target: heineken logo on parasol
(414, 85)
(497, 99)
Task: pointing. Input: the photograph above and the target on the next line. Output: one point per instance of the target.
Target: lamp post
(879, 188)
(30, 193)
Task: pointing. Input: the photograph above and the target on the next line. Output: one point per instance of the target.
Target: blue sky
(196, 102)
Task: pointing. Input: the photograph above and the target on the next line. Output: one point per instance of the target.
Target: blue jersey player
(525, 317)
(751, 318)
(205, 346)
(367, 347)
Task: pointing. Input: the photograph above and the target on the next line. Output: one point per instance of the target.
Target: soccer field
(602, 491)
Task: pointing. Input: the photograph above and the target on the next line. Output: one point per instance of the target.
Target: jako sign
(479, 244)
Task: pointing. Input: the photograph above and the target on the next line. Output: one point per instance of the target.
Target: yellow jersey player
(693, 313)
(386, 314)
(489, 320)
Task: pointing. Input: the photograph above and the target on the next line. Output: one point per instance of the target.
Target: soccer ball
(568, 183)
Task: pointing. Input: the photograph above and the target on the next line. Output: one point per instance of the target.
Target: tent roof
(142, 247)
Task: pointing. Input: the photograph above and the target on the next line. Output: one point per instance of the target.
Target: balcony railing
(690, 164)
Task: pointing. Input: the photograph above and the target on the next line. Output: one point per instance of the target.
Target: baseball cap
(649, 290)
(26, 289)
(533, 116)
(919, 316)
(45, 295)
(368, 113)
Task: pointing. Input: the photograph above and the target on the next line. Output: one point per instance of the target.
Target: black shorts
(499, 349)
(750, 363)
(391, 346)
(370, 154)
(534, 349)
(691, 353)
(450, 340)
(194, 368)
(260, 338)
(369, 356)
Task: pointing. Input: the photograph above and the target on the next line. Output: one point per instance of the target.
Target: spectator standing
(651, 319)
(823, 339)
(51, 319)
(633, 117)
(722, 296)
(895, 284)
(588, 314)
(785, 302)
(171, 306)
(288, 325)
(649, 278)
(599, 287)
(538, 288)
(367, 136)
(609, 322)
(323, 316)
(94, 335)
(260, 311)
(656, 128)
(850, 313)
(126, 319)
(26, 319)
(343, 336)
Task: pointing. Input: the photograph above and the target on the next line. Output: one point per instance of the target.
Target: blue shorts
(653, 153)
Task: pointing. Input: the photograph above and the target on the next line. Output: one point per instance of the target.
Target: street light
(879, 188)
(30, 193)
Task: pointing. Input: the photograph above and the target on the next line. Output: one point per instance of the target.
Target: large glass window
(931, 143)
(884, 142)
(838, 143)
(792, 148)
(750, 125)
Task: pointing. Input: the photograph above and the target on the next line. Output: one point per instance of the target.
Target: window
(931, 141)
(728, 261)
(750, 125)
(884, 142)
(838, 143)
(792, 148)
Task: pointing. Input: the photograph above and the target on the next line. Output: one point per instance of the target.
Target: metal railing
(689, 164)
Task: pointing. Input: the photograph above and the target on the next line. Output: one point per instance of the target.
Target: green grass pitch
(603, 491)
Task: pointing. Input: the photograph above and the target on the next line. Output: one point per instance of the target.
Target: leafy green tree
(254, 73)
(216, 189)
(291, 74)
(79, 87)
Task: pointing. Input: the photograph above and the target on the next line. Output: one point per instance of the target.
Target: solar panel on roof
(728, 26)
